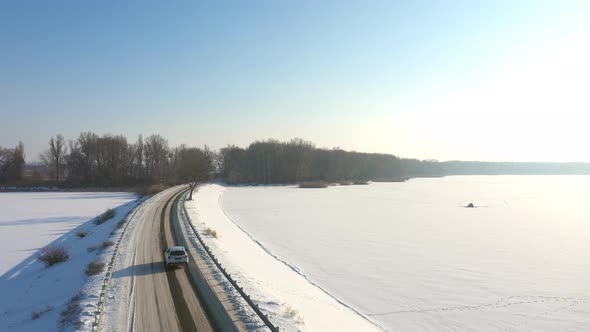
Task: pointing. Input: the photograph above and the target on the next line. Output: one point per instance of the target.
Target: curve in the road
(163, 300)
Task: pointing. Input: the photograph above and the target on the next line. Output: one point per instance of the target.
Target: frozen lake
(410, 257)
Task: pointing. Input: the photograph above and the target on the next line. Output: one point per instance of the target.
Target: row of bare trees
(272, 161)
(296, 161)
(110, 160)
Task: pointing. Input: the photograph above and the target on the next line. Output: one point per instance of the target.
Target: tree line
(112, 161)
(296, 161)
(12, 163)
(272, 161)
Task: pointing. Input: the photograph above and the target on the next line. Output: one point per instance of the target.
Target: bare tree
(55, 156)
(19, 161)
(156, 154)
(191, 165)
(192, 184)
(89, 150)
(5, 160)
(138, 158)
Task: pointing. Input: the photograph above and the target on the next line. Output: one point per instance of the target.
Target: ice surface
(291, 301)
(410, 257)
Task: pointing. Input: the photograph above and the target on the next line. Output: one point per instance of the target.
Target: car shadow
(140, 270)
(49, 220)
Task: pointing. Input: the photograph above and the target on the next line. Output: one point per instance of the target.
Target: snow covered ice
(290, 300)
(410, 256)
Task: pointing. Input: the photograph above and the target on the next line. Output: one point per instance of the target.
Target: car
(176, 256)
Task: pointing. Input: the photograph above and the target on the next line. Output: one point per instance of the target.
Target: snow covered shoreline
(290, 300)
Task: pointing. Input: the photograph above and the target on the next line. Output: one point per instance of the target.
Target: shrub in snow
(106, 244)
(35, 314)
(71, 314)
(95, 268)
(211, 232)
(313, 184)
(360, 182)
(292, 313)
(108, 214)
(53, 255)
(92, 248)
(81, 234)
(121, 223)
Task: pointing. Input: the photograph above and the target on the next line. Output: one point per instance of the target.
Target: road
(162, 300)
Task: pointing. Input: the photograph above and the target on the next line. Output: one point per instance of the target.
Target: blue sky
(471, 80)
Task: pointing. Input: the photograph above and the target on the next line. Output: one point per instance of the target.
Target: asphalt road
(162, 300)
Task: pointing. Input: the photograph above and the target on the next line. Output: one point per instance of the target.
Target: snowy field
(410, 257)
(31, 221)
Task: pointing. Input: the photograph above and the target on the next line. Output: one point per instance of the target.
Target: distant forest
(296, 161)
(113, 161)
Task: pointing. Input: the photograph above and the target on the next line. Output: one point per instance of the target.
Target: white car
(176, 256)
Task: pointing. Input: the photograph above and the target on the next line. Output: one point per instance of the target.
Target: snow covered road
(144, 296)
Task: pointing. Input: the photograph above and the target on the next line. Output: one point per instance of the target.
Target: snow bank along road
(147, 297)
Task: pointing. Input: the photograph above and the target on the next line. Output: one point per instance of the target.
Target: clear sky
(470, 80)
